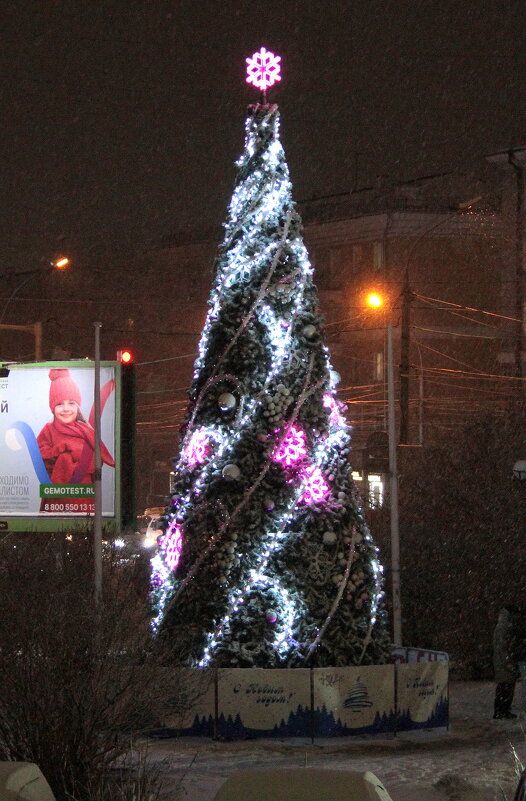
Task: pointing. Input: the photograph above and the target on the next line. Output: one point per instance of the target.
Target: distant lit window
(376, 490)
(375, 485)
(379, 256)
(378, 366)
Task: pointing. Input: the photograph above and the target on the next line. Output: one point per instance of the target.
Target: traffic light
(125, 356)
(127, 416)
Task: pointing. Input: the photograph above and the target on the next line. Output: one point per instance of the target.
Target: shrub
(77, 681)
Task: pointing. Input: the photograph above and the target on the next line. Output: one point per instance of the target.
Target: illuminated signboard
(47, 444)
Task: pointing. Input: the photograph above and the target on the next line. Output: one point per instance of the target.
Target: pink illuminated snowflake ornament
(198, 448)
(316, 488)
(263, 69)
(171, 544)
(336, 418)
(292, 449)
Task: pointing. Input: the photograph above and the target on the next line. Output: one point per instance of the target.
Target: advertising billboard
(47, 444)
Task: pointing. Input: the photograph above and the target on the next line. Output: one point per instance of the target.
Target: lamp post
(60, 264)
(376, 301)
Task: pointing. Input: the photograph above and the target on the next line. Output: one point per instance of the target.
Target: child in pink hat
(67, 444)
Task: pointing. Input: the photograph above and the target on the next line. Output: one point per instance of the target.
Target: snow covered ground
(473, 761)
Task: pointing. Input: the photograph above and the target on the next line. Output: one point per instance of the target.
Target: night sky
(122, 119)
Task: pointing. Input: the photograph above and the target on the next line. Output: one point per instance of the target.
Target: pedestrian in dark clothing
(520, 792)
(505, 662)
(520, 639)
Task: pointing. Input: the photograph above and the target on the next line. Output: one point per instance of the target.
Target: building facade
(435, 249)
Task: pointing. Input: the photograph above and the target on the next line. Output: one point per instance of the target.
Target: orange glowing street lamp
(61, 264)
(374, 300)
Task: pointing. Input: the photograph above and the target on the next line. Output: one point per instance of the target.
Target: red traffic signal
(124, 356)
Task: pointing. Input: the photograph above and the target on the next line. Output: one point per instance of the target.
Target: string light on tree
(263, 487)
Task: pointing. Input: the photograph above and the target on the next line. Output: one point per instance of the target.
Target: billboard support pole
(97, 479)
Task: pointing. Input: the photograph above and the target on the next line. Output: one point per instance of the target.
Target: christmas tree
(266, 560)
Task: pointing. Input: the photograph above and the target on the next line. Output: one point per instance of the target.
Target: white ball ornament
(329, 537)
(226, 402)
(231, 471)
(309, 331)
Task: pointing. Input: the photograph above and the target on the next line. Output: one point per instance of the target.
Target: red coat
(68, 451)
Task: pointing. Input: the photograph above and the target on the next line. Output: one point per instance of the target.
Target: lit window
(379, 256)
(376, 490)
(378, 366)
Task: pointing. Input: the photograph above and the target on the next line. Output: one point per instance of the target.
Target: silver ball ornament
(309, 331)
(231, 471)
(226, 402)
(270, 616)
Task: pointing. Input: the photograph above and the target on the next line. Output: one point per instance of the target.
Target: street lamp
(60, 264)
(375, 300)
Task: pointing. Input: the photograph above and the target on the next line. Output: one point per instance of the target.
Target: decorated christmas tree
(266, 560)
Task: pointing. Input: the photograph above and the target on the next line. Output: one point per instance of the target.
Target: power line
(453, 333)
(467, 308)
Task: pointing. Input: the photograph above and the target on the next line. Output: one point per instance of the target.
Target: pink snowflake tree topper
(171, 544)
(263, 69)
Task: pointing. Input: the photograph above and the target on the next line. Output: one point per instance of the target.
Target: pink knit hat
(62, 388)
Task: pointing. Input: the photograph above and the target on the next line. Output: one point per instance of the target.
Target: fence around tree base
(242, 703)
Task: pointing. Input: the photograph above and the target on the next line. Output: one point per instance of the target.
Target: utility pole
(393, 477)
(519, 266)
(405, 333)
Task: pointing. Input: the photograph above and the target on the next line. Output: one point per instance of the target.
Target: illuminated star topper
(263, 69)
